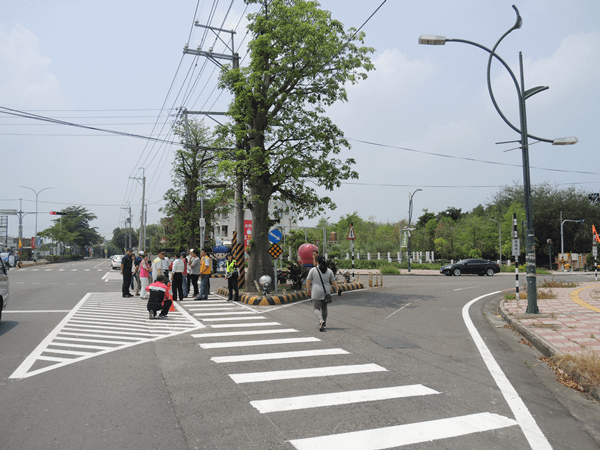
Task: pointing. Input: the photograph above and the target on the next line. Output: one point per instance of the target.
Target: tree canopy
(300, 62)
(74, 228)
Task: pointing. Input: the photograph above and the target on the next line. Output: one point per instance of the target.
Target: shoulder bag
(328, 298)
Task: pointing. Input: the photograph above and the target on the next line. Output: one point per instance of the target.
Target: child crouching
(158, 290)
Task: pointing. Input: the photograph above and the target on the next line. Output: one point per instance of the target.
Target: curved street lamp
(410, 209)
(523, 95)
(499, 238)
(562, 246)
(36, 214)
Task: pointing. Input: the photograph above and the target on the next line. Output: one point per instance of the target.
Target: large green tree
(301, 61)
(194, 175)
(74, 228)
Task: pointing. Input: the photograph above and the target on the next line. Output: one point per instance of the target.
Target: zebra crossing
(102, 323)
(227, 324)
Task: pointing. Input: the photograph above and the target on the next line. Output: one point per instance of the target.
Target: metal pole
(515, 236)
(499, 238)
(562, 246)
(410, 208)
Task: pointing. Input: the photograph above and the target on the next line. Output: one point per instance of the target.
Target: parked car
(479, 266)
(3, 286)
(115, 263)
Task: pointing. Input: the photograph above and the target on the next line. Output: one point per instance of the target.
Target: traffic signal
(58, 213)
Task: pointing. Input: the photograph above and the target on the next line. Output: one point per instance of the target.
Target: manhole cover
(393, 342)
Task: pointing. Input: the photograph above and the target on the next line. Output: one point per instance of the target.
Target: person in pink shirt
(144, 275)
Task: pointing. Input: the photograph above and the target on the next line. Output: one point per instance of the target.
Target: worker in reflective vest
(232, 278)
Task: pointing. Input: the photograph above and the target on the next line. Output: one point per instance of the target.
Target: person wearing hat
(232, 278)
(177, 277)
(126, 266)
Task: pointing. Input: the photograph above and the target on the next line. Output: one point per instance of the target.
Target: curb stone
(543, 346)
(270, 300)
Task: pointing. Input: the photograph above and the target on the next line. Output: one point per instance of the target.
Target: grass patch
(541, 295)
(523, 269)
(557, 284)
(579, 371)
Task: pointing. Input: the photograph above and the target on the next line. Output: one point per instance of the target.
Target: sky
(422, 120)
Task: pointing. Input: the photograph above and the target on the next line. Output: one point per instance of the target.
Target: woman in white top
(317, 289)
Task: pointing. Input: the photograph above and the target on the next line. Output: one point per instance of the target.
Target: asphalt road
(400, 366)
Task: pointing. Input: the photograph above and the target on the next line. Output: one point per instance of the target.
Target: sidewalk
(569, 323)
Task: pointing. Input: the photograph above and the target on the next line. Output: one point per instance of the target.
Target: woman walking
(318, 283)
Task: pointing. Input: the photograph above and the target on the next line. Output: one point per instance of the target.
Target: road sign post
(275, 250)
(515, 251)
(352, 238)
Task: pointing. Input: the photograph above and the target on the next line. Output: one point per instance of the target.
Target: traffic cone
(169, 295)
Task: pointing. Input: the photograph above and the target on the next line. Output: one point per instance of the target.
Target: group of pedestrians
(153, 279)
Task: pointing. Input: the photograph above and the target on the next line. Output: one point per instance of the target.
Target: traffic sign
(275, 250)
(275, 236)
(516, 247)
(351, 235)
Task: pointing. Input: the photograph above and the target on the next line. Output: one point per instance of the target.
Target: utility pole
(129, 219)
(142, 238)
(238, 244)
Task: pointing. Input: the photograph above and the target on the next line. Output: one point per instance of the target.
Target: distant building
(224, 223)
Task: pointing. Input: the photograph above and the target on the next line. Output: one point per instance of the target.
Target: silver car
(3, 286)
(116, 261)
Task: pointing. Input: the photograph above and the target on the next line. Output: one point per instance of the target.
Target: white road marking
(221, 319)
(340, 398)
(305, 373)
(398, 310)
(99, 319)
(236, 313)
(279, 355)
(38, 311)
(245, 333)
(260, 342)
(244, 325)
(409, 434)
(462, 289)
(528, 425)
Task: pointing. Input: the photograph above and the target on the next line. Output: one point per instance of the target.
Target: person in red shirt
(159, 293)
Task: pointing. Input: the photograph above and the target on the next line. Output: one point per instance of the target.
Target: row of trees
(452, 234)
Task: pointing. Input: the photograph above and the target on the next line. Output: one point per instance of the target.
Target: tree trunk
(260, 262)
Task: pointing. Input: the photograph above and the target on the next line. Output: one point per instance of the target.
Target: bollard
(370, 280)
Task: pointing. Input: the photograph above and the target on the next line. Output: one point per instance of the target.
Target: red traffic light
(58, 213)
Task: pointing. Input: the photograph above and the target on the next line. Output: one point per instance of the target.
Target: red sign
(247, 232)
(33, 242)
(351, 235)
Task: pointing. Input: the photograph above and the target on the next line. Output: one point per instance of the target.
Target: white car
(3, 286)
(115, 263)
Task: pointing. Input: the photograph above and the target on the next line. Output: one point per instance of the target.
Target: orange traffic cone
(169, 296)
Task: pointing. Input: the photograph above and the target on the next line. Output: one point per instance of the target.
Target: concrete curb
(271, 300)
(543, 346)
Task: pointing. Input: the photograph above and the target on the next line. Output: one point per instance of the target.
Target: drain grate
(393, 342)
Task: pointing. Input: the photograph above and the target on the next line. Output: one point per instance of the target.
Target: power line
(442, 155)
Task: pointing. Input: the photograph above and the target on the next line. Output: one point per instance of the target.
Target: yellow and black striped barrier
(271, 300)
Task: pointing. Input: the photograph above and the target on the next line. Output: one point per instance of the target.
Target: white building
(225, 222)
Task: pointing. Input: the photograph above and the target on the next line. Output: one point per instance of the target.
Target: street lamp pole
(410, 209)
(36, 215)
(562, 244)
(499, 238)
(523, 95)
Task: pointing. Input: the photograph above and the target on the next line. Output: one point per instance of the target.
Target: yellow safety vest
(231, 266)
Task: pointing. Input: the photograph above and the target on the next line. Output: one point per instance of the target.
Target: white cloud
(25, 77)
